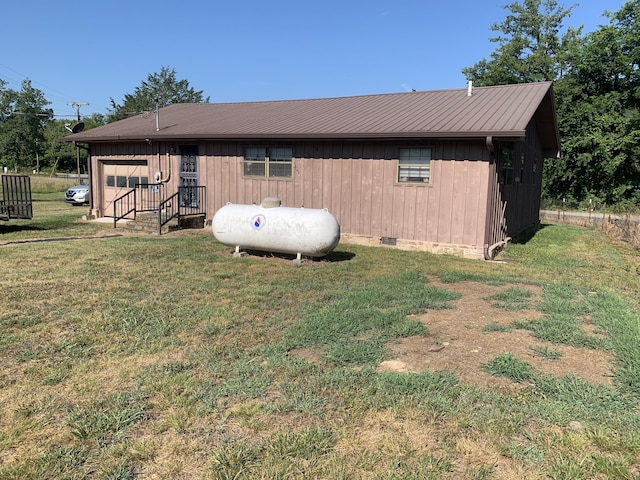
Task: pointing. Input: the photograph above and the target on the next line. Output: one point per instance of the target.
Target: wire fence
(623, 226)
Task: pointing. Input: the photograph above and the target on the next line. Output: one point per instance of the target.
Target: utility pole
(77, 106)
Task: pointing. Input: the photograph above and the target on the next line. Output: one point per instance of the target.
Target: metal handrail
(143, 197)
(150, 196)
(186, 201)
(127, 204)
(146, 197)
(167, 211)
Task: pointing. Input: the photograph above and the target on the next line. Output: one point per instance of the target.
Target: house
(451, 171)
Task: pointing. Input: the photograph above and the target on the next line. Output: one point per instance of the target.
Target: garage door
(118, 177)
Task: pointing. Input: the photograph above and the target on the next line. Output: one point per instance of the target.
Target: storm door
(189, 177)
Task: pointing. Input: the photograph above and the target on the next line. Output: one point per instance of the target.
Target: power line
(26, 77)
(61, 97)
(77, 106)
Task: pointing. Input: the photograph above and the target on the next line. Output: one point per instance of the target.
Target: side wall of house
(356, 181)
(522, 196)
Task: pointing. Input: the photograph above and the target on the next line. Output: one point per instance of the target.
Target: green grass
(356, 325)
(163, 357)
(508, 366)
(512, 299)
(546, 352)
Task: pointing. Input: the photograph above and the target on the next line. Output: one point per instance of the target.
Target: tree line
(597, 91)
(30, 134)
(596, 86)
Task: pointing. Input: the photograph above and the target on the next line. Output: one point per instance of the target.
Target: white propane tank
(271, 228)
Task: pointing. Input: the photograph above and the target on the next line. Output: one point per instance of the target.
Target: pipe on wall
(168, 157)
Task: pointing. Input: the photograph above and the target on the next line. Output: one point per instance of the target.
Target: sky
(249, 50)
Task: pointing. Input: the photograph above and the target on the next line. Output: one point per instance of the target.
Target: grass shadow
(524, 237)
(331, 257)
(19, 228)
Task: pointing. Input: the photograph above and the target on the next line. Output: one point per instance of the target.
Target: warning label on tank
(258, 222)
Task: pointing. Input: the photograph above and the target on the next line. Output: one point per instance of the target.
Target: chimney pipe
(470, 88)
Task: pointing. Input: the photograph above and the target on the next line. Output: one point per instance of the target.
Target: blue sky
(245, 50)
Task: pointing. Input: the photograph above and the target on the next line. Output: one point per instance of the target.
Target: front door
(189, 176)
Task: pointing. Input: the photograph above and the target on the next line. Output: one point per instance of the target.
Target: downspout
(491, 148)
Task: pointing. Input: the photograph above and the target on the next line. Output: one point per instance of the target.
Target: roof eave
(511, 134)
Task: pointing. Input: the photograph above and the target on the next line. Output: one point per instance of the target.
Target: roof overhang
(155, 137)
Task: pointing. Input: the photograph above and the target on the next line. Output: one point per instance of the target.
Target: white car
(77, 195)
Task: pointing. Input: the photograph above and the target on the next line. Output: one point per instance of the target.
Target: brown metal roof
(499, 111)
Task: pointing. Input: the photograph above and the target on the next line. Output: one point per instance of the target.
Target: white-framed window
(268, 162)
(414, 165)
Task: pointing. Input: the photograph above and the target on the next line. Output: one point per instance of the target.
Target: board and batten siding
(357, 183)
(355, 180)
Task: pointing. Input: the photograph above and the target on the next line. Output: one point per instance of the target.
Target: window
(414, 165)
(506, 165)
(268, 162)
(122, 181)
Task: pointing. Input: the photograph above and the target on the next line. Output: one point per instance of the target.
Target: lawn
(164, 357)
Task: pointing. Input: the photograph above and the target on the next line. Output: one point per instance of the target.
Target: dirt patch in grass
(460, 341)
(473, 332)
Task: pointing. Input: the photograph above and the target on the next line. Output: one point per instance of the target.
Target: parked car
(77, 195)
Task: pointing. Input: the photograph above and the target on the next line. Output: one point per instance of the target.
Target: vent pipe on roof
(157, 117)
(470, 88)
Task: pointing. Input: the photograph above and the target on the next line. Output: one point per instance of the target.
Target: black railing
(151, 198)
(186, 201)
(124, 206)
(144, 197)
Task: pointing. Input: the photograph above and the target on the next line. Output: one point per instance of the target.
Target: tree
(23, 116)
(58, 155)
(531, 46)
(598, 110)
(597, 92)
(160, 89)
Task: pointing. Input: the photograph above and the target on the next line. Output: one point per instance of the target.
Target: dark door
(189, 176)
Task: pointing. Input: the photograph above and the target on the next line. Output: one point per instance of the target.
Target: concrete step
(148, 222)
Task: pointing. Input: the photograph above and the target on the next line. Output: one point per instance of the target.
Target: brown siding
(356, 181)
(515, 207)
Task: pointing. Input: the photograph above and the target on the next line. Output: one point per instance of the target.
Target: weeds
(164, 357)
(512, 299)
(508, 366)
(496, 327)
(546, 352)
(108, 418)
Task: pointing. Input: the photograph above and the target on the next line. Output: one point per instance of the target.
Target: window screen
(414, 165)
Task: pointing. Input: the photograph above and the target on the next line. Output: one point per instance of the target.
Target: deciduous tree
(533, 45)
(23, 116)
(160, 89)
